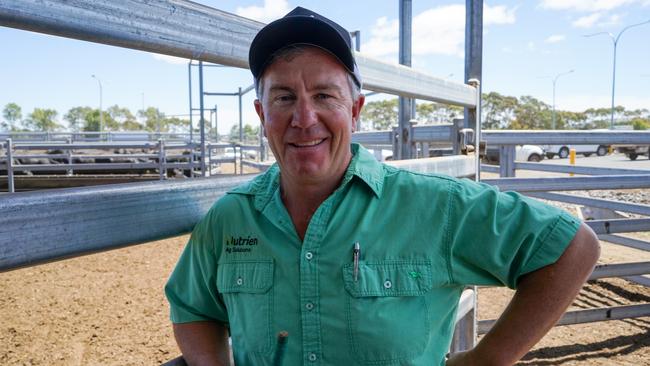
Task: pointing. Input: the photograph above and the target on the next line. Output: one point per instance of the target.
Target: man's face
(308, 116)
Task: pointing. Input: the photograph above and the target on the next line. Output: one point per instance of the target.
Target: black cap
(302, 26)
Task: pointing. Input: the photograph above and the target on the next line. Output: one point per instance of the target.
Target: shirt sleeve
(496, 237)
(191, 289)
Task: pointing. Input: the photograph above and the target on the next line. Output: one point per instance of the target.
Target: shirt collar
(363, 166)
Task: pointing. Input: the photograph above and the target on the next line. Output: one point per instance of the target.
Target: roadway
(616, 160)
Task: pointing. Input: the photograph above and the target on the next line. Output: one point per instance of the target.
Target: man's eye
(284, 98)
(323, 96)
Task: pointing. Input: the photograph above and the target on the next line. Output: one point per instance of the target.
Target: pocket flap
(245, 276)
(388, 278)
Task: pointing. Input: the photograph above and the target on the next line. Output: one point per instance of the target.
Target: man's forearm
(542, 297)
(203, 343)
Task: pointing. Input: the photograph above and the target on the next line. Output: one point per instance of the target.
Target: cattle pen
(142, 212)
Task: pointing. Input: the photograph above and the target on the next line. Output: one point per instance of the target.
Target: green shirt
(423, 238)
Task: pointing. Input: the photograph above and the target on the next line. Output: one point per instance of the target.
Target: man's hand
(462, 359)
(203, 343)
(542, 297)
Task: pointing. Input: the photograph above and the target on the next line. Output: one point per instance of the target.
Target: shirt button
(240, 281)
(309, 256)
(312, 357)
(388, 284)
(309, 306)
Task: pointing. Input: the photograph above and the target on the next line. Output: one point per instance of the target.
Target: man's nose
(304, 115)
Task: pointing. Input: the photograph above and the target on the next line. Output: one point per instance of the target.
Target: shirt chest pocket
(246, 287)
(387, 311)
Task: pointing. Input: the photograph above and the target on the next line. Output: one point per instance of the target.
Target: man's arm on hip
(203, 343)
(541, 298)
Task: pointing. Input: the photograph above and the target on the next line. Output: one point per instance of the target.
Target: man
(361, 263)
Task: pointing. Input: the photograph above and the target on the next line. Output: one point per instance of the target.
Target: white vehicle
(563, 150)
(532, 153)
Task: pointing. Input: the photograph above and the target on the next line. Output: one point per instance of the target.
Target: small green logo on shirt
(415, 274)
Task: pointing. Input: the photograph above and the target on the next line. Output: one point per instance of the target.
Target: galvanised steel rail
(587, 316)
(582, 170)
(565, 137)
(636, 208)
(571, 183)
(42, 226)
(193, 31)
(618, 225)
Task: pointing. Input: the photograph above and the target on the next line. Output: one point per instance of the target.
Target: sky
(525, 45)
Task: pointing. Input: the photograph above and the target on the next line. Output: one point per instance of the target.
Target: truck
(633, 151)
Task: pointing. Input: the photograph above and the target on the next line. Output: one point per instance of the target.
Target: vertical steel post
(477, 130)
(201, 119)
(69, 172)
(473, 53)
(161, 159)
(405, 108)
(189, 79)
(209, 160)
(507, 161)
(10, 167)
(241, 128)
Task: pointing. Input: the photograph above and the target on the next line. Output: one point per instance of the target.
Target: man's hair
(289, 53)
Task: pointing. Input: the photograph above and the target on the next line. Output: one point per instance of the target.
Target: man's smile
(307, 143)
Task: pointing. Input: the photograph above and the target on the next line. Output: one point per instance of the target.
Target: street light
(101, 112)
(554, 82)
(615, 42)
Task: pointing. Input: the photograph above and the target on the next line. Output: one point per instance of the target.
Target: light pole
(101, 112)
(554, 82)
(615, 42)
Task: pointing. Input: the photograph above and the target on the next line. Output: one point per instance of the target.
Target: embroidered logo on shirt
(240, 244)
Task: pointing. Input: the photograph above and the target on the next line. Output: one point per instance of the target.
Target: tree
(42, 120)
(531, 114)
(12, 114)
(117, 118)
(154, 119)
(175, 124)
(251, 134)
(77, 117)
(381, 114)
(498, 111)
(428, 113)
(641, 124)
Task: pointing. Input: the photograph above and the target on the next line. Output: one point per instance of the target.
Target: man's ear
(357, 106)
(259, 109)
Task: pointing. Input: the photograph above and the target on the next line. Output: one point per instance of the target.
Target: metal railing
(597, 178)
(61, 157)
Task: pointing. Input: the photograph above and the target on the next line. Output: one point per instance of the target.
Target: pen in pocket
(355, 260)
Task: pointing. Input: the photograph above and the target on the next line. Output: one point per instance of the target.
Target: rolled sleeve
(191, 289)
(497, 237)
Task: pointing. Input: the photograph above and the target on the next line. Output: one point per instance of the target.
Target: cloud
(439, 30)
(596, 19)
(170, 59)
(585, 5)
(271, 10)
(555, 38)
